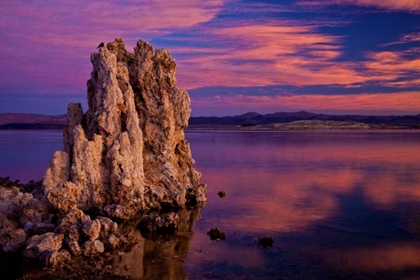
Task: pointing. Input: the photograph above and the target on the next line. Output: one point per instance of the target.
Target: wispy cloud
(403, 65)
(386, 102)
(277, 52)
(217, 43)
(51, 40)
(405, 39)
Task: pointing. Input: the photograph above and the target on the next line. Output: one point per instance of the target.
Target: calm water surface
(339, 205)
(25, 155)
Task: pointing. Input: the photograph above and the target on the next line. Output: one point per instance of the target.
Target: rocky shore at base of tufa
(124, 158)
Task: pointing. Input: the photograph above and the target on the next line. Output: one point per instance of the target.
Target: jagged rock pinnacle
(128, 152)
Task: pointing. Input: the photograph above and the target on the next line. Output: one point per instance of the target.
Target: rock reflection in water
(161, 253)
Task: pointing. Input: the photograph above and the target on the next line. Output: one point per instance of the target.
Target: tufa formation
(128, 152)
(125, 156)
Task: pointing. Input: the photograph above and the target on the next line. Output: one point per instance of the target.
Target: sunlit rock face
(128, 152)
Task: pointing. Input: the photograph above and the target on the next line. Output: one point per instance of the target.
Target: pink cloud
(278, 52)
(407, 38)
(282, 52)
(400, 64)
(85, 24)
(401, 101)
(47, 44)
(48, 41)
(285, 53)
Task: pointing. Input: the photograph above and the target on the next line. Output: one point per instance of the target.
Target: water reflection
(26, 154)
(159, 255)
(288, 187)
(339, 205)
(332, 200)
(390, 257)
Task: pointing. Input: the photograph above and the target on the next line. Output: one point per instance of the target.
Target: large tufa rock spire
(128, 152)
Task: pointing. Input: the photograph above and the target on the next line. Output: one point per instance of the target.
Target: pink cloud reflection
(292, 199)
(401, 256)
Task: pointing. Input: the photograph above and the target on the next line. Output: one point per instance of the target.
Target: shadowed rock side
(126, 156)
(128, 152)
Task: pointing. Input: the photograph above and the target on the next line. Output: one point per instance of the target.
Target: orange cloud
(279, 52)
(399, 64)
(48, 43)
(401, 101)
(48, 39)
(53, 24)
(283, 52)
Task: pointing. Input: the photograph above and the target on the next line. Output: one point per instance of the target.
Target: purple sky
(233, 56)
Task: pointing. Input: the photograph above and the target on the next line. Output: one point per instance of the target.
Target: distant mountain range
(37, 121)
(31, 121)
(253, 118)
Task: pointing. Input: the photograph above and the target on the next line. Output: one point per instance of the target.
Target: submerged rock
(221, 193)
(216, 234)
(159, 222)
(266, 241)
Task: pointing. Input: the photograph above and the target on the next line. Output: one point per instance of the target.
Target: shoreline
(289, 126)
(306, 125)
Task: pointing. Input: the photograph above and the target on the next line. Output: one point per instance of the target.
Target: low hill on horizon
(39, 121)
(31, 121)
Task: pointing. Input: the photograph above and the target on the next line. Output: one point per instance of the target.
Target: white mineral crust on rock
(128, 152)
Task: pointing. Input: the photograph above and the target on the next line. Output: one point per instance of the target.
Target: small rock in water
(216, 234)
(266, 241)
(221, 193)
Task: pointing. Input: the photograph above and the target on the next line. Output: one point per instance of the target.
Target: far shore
(305, 125)
(295, 125)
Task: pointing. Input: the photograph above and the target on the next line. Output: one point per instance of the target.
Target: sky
(233, 56)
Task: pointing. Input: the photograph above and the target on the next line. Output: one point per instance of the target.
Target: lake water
(338, 204)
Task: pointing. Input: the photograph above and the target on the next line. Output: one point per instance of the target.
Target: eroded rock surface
(41, 246)
(126, 155)
(128, 152)
(11, 237)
